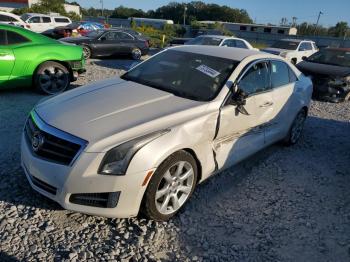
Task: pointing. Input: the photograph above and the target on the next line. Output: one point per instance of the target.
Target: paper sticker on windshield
(208, 71)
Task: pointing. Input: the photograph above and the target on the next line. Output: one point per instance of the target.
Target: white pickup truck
(293, 50)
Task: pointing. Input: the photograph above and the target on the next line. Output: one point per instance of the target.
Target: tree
(339, 30)
(125, 12)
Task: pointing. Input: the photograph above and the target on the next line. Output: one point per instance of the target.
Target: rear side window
(2, 37)
(5, 18)
(279, 74)
(292, 77)
(46, 19)
(230, 43)
(61, 20)
(15, 38)
(241, 44)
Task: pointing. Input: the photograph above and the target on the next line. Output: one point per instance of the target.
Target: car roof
(296, 40)
(219, 36)
(237, 54)
(9, 14)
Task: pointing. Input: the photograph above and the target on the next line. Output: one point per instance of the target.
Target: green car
(31, 59)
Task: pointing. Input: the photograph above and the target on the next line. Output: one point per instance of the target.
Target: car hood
(98, 111)
(275, 51)
(309, 68)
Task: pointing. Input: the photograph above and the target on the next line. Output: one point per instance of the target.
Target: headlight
(116, 160)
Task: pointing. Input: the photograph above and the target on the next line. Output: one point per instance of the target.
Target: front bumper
(59, 182)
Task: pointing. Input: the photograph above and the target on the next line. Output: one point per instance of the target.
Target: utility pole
(318, 20)
(102, 7)
(185, 9)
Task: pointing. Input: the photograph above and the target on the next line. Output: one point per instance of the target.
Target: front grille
(48, 146)
(104, 200)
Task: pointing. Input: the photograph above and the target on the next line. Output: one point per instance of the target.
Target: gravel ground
(283, 204)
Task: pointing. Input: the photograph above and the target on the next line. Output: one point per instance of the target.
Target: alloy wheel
(174, 188)
(136, 54)
(53, 80)
(86, 52)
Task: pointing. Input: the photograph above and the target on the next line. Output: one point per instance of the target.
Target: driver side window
(256, 80)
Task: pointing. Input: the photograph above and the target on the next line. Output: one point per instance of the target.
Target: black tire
(296, 129)
(149, 208)
(87, 53)
(136, 53)
(52, 78)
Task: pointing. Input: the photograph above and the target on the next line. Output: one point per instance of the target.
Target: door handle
(267, 104)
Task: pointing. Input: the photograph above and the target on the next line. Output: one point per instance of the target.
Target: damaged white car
(141, 143)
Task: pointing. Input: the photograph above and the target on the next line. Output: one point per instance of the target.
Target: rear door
(7, 58)
(36, 24)
(283, 82)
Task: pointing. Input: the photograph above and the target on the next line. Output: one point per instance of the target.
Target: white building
(268, 29)
(10, 5)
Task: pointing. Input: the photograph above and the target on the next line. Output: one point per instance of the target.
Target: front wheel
(52, 78)
(170, 187)
(296, 128)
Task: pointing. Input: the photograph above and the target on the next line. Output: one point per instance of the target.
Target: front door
(7, 58)
(241, 135)
(109, 44)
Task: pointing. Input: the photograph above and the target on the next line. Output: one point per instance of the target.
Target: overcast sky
(263, 11)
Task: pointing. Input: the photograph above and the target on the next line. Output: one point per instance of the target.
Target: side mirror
(304, 58)
(238, 99)
(103, 38)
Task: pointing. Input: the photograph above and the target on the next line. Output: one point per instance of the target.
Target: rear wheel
(170, 187)
(52, 78)
(296, 128)
(136, 54)
(86, 52)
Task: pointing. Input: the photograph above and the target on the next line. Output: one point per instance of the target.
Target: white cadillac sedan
(142, 142)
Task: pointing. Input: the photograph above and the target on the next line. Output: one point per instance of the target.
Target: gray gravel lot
(283, 204)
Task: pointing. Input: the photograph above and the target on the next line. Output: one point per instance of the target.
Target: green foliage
(340, 29)
(46, 7)
(213, 26)
(156, 35)
(125, 12)
(197, 10)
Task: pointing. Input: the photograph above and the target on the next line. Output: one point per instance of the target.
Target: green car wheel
(52, 78)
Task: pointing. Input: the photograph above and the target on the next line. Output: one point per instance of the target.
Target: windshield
(289, 45)
(331, 57)
(204, 41)
(24, 17)
(95, 33)
(188, 75)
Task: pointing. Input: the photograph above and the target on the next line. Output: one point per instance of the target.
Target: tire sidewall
(149, 205)
(288, 141)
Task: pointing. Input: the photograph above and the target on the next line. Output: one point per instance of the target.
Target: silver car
(144, 141)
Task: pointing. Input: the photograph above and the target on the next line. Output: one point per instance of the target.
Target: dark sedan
(330, 73)
(110, 42)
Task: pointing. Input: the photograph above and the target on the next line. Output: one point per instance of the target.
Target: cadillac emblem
(37, 141)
